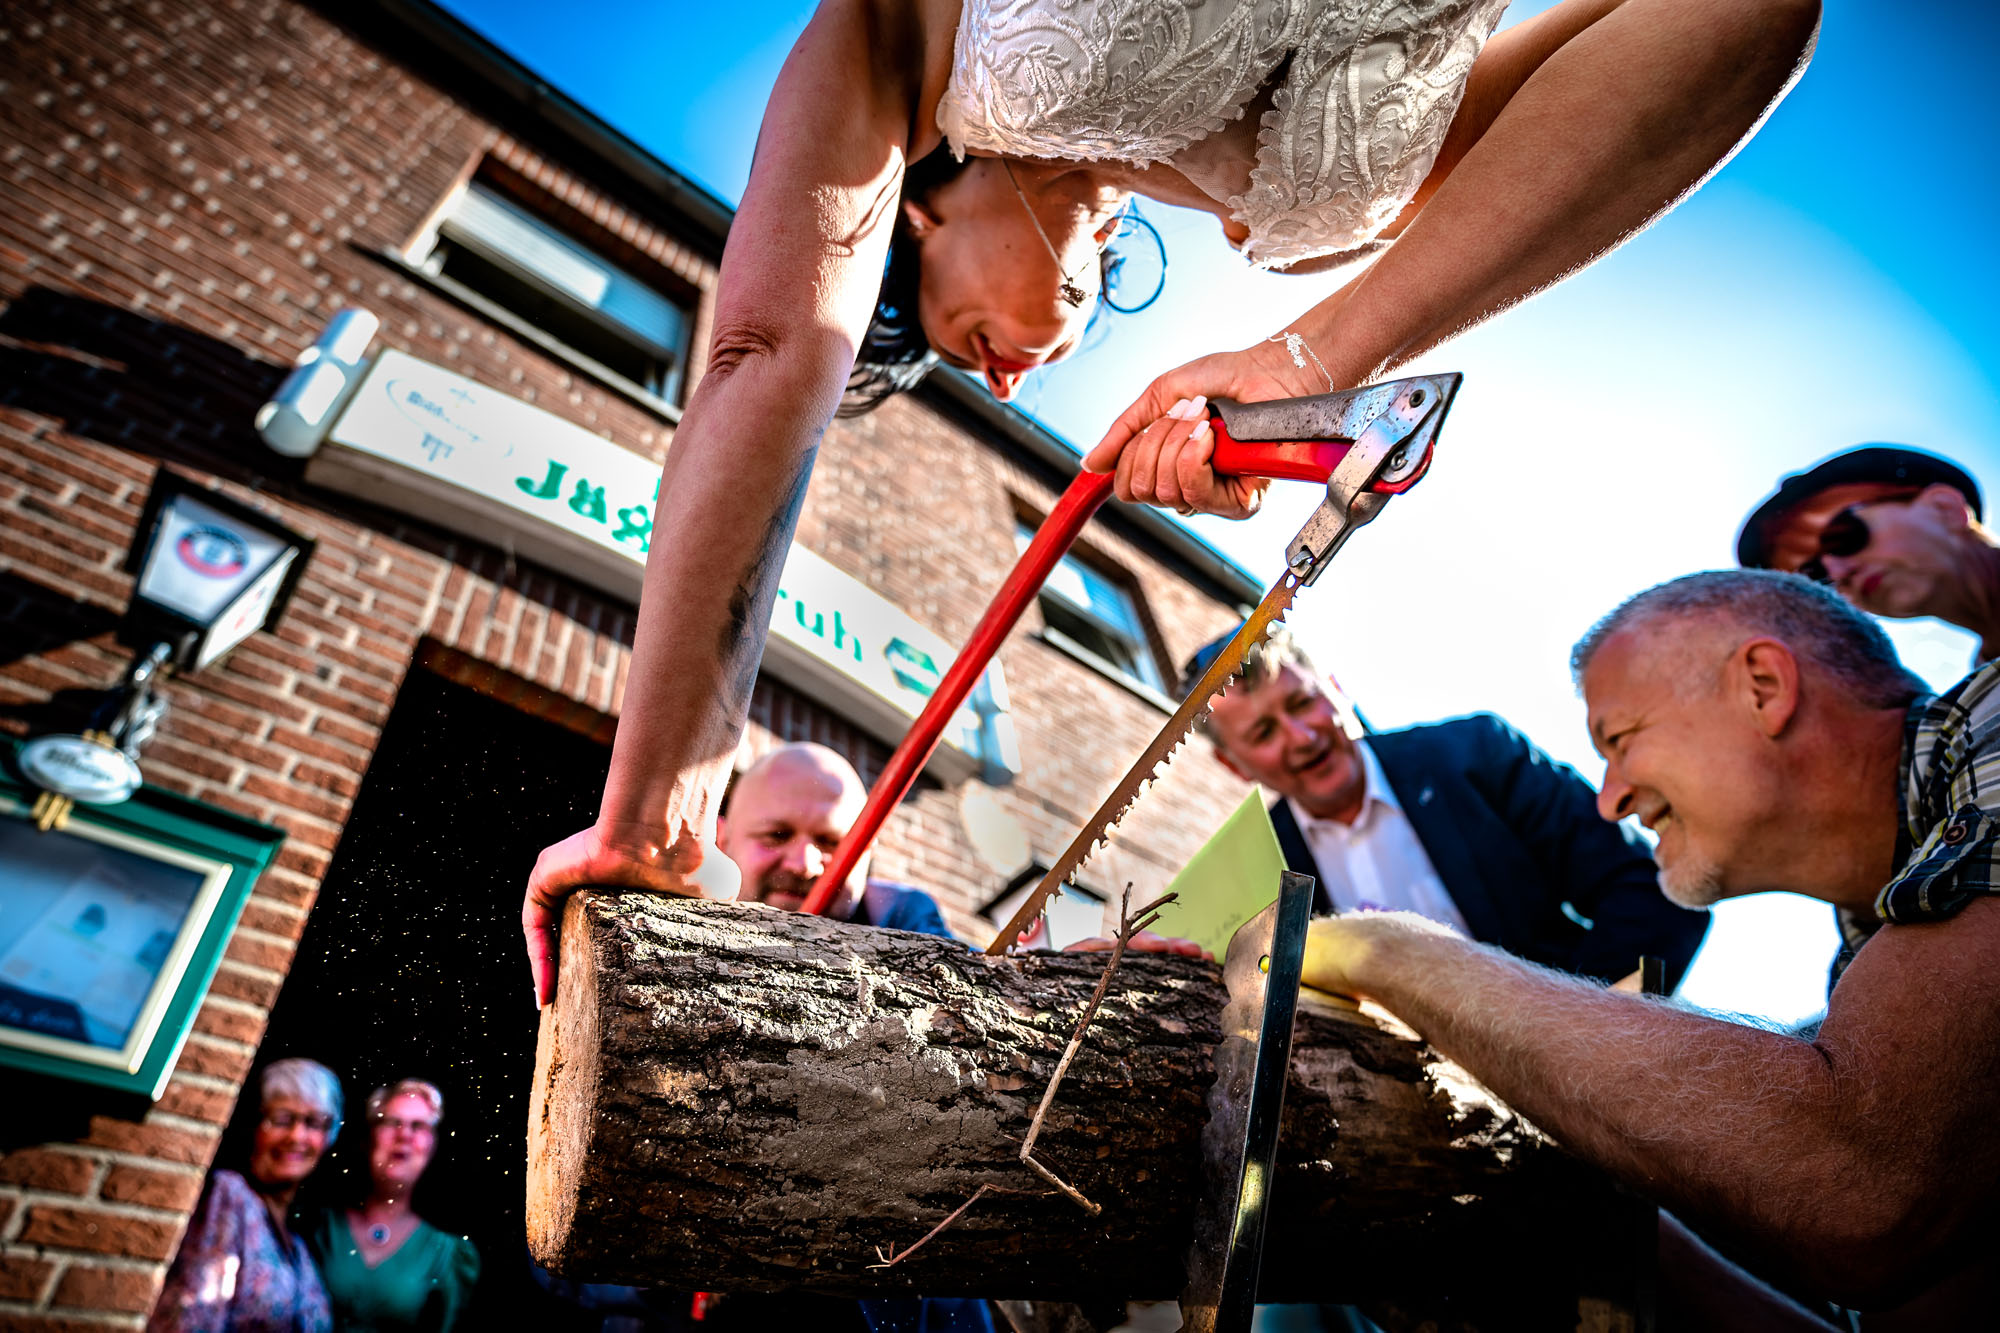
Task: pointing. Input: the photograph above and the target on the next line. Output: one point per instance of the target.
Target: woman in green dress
(386, 1269)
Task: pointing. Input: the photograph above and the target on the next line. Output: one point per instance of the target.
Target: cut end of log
(563, 1105)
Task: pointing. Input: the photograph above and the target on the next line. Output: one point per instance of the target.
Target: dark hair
(895, 354)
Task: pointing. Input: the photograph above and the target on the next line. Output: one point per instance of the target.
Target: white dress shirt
(1377, 863)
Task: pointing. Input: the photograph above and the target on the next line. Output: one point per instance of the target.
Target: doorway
(412, 965)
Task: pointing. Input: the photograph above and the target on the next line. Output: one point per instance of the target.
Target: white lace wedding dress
(1359, 96)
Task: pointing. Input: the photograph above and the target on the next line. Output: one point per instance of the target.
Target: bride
(937, 178)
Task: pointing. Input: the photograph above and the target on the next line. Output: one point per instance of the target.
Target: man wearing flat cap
(1895, 531)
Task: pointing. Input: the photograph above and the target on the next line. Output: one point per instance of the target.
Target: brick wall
(188, 190)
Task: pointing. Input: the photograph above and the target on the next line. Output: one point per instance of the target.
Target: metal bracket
(1239, 1143)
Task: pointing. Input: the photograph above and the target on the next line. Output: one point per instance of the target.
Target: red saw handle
(1293, 460)
(1301, 460)
(1082, 499)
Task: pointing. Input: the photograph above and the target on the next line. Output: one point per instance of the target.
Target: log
(737, 1099)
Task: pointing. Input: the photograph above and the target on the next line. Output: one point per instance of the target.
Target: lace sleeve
(1108, 80)
(1357, 123)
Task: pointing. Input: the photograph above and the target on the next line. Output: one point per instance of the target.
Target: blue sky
(1834, 284)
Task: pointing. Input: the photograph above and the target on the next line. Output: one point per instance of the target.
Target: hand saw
(1364, 444)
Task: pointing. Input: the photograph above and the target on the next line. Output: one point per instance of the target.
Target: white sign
(79, 768)
(419, 439)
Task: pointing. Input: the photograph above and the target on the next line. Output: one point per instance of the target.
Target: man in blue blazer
(1464, 821)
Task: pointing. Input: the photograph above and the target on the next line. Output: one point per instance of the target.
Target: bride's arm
(797, 287)
(1578, 128)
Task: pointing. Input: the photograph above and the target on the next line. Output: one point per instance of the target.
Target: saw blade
(1097, 830)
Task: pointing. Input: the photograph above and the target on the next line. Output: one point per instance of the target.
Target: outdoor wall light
(210, 572)
(299, 414)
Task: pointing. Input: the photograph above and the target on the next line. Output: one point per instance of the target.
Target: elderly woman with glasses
(240, 1268)
(385, 1267)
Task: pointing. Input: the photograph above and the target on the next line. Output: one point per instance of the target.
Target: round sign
(216, 552)
(80, 769)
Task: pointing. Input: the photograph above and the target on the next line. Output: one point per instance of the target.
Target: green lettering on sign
(913, 667)
(547, 487)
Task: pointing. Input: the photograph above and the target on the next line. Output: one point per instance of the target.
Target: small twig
(1128, 926)
(890, 1259)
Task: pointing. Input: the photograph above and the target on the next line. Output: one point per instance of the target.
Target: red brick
(302, 799)
(201, 1056)
(22, 1278)
(190, 761)
(238, 984)
(261, 915)
(301, 859)
(54, 1323)
(340, 783)
(41, 1169)
(292, 890)
(229, 1024)
(348, 700)
(259, 953)
(155, 1189)
(90, 1287)
(258, 698)
(327, 750)
(168, 1143)
(99, 1231)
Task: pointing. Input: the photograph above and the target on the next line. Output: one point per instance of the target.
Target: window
(603, 315)
(1085, 609)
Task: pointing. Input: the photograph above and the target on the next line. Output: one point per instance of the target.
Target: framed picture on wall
(111, 928)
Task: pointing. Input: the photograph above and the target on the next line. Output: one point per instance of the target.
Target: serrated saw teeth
(1096, 832)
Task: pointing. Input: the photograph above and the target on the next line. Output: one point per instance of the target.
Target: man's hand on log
(614, 855)
(1347, 954)
(1143, 942)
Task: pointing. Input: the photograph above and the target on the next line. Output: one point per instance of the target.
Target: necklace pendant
(379, 1234)
(1073, 294)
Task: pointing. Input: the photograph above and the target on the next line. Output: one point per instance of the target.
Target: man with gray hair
(1766, 732)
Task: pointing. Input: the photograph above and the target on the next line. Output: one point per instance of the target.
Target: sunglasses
(1844, 536)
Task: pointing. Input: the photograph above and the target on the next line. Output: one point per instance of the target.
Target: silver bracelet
(1296, 344)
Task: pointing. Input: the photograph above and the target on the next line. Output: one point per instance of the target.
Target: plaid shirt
(1948, 849)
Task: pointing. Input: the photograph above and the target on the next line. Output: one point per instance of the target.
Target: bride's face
(991, 299)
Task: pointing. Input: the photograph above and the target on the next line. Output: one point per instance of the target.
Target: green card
(1231, 879)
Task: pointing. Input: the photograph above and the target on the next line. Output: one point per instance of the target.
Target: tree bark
(736, 1099)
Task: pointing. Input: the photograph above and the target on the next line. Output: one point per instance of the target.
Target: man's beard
(1693, 883)
(781, 888)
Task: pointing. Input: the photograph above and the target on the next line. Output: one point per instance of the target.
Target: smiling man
(1895, 531)
(1767, 732)
(784, 817)
(1463, 822)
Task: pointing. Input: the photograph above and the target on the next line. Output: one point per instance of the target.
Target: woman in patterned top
(240, 1269)
(1313, 130)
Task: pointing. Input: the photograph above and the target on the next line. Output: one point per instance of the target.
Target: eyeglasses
(392, 1123)
(284, 1120)
(1845, 535)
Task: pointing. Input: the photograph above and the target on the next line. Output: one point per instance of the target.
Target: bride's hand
(612, 854)
(1164, 459)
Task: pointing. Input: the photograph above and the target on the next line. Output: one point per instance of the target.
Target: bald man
(785, 815)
